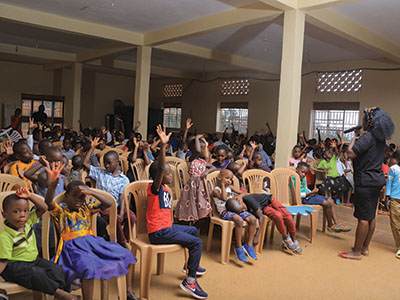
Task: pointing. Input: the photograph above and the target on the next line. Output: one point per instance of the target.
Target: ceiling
(261, 41)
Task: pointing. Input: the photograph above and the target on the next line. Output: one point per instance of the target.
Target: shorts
(365, 201)
(314, 200)
(228, 215)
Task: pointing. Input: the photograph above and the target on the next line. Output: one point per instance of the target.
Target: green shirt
(331, 166)
(19, 246)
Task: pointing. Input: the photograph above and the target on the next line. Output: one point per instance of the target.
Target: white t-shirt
(221, 204)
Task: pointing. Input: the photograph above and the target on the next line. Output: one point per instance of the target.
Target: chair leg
(104, 287)
(210, 235)
(323, 219)
(226, 241)
(38, 295)
(313, 225)
(121, 284)
(298, 220)
(160, 263)
(263, 229)
(271, 236)
(146, 266)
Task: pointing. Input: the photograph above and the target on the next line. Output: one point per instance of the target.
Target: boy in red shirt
(159, 220)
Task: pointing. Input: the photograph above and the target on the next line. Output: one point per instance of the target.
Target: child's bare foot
(350, 255)
(364, 251)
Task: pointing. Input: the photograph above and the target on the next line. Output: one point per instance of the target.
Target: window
(235, 87)
(329, 117)
(173, 90)
(232, 113)
(339, 82)
(172, 115)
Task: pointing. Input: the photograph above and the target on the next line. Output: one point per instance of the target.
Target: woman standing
(367, 152)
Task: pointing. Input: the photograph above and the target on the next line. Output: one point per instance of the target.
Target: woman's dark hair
(382, 125)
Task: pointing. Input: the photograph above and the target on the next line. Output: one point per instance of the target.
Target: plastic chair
(283, 177)
(106, 293)
(183, 175)
(242, 161)
(10, 183)
(139, 239)
(138, 169)
(8, 166)
(13, 288)
(254, 182)
(227, 227)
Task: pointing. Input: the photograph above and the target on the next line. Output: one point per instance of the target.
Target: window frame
(232, 105)
(174, 106)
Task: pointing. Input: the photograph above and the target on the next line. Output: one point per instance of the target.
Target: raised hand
(162, 133)
(95, 142)
(23, 192)
(8, 145)
(44, 161)
(253, 144)
(40, 126)
(189, 123)
(32, 125)
(54, 171)
(135, 142)
(84, 189)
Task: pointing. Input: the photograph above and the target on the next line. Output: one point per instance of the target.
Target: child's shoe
(194, 289)
(288, 244)
(200, 271)
(3, 294)
(240, 254)
(132, 296)
(249, 250)
(339, 228)
(298, 249)
(398, 254)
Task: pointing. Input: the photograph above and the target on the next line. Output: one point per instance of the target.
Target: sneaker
(200, 271)
(288, 244)
(298, 249)
(249, 250)
(194, 289)
(240, 254)
(3, 294)
(339, 228)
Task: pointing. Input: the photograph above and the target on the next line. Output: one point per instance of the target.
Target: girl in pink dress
(193, 205)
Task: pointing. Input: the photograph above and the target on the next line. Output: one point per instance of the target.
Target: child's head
(302, 169)
(53, 154)
(296, 152)
(235, 168)
(16, 211)
(393, 161)
(225, 175)
(167, 177)
(328, 153)
(111, 161)
(234, 206)
(44, 145)
(257, 159)
(23, 152)
(65, 161)
(221, 155)
(74, 198)
(119, 136)
(102, 144)
(77, 162)
(67, 144)
(17, 112)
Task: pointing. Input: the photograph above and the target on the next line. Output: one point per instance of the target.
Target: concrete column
(290, 86)
(142, 88)
(76, 94)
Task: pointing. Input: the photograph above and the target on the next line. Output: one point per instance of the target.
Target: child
(159, 221)
(393, 192)
(67, 149)
(192, 204)
(77, 168)
(312, 198)
(344, 168)
(25, 160)
(221, 161)
(298, 155)
(19, 260)
(257, 163)
(113, 181)
(81, 254)
(223, 192)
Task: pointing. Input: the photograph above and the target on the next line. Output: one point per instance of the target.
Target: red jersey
(158, 215)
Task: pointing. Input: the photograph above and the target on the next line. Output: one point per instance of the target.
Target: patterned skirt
(92, 257)
(193, 204)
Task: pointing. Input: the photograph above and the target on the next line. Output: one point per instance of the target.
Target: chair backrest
(182, 171)
(254, 181)
(242, 161)
(174, 161)
(112, 228)
(8, 166)
(319, 174)
(15, 136)
(3, 195)
(58, 144)
(174, 185)
(283, 177)
(10, 183)
(138, 169)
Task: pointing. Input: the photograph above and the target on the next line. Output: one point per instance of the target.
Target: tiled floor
(317, 274)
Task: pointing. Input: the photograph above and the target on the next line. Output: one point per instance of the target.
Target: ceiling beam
(318, 4)
(336, 23)
(238, 17)
(64, 24)
(110, 49)
(37, 52)
(281, 4)
(228, 58)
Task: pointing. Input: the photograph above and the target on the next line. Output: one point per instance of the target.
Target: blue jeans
(187, 236)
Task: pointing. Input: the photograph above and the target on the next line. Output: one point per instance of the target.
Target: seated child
(19, 260)
(81, 254)
(221, 155)
(67, 149)
(298, 155)
(77, 168)
(312, 198)
(225, 191)
(113, 181)
(25, 160)
(159, 220)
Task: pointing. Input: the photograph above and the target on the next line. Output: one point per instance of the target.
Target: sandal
(346, 255)
(398, 254)
(288, 244)
(132, 296)
(339, 228)
(298, 249)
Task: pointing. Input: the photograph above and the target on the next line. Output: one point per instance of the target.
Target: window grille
(339, 82)
(173, 90)
(235, 87)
